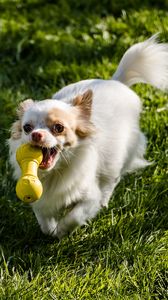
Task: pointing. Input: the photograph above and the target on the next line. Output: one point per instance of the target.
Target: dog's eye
(57, 128)
(27, 128)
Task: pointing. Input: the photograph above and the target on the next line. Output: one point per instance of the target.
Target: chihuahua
(89, 135)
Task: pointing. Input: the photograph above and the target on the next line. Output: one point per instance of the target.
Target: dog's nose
(37, 136)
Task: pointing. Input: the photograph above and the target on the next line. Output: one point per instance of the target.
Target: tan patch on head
(68, 121)
(16, 130)
(57, 115)
(76, 120)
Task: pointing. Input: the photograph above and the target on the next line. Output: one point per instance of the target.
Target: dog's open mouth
(48, 157)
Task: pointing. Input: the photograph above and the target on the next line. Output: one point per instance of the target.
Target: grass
(123, 253)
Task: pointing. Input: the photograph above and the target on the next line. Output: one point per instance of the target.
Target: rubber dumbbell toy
(29, 187)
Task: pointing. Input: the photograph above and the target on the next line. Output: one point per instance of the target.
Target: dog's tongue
(48, 157)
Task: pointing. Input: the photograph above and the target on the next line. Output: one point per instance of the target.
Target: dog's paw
(61, 230)
(49, 227)
(104, 204)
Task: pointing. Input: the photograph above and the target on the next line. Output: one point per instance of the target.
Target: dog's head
(54, 125)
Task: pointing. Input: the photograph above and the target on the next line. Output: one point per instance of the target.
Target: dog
(90, 136)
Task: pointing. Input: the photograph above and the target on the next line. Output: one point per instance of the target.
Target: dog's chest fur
(66, 185)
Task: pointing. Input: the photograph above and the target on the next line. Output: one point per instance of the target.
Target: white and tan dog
(90, 136)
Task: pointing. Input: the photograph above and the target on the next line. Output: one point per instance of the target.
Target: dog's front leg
(107, 188)
(82, 212)
(47, 224)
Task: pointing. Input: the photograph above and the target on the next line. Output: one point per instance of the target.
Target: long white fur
(145, 62)
(86, 180)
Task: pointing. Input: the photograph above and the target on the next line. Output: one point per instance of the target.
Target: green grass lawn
(123, 253)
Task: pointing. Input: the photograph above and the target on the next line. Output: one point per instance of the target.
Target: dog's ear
(16, 129)
(84, 103)
(23, 106)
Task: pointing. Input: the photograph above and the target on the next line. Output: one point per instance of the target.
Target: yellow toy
(29, 187)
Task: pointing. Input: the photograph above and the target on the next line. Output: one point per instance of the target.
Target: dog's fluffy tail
(145, 62)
